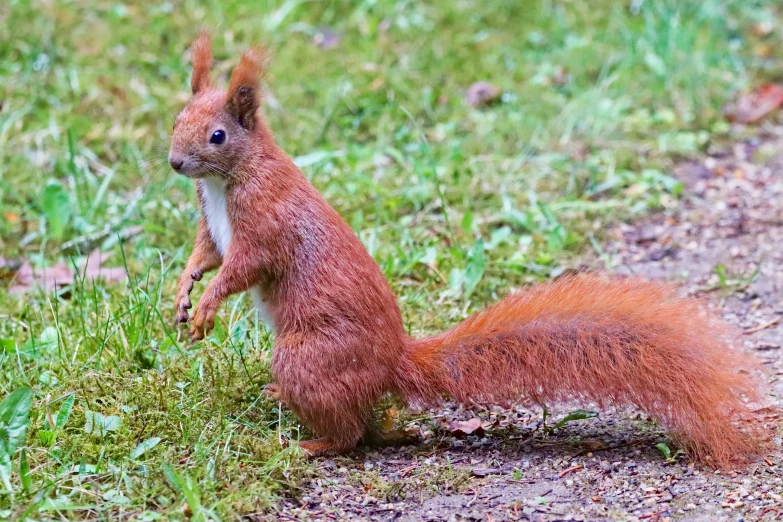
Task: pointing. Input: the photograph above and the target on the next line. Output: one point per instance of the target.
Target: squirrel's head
(218, 129)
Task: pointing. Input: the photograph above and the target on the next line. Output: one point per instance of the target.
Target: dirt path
(607, 468)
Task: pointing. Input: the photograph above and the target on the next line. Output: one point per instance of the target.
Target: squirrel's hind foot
(321, 447)
(273, 391)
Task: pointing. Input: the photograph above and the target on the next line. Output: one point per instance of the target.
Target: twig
(607, 448)
(475, 497)
(762, 326)
(405, 471)
(569, 470)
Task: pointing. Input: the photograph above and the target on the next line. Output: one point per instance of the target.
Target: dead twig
(475, 497)
(762, 326)
(569, 470)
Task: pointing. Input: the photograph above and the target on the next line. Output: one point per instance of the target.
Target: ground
(474, 146)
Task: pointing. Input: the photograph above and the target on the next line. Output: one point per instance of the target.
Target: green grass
(456, 204)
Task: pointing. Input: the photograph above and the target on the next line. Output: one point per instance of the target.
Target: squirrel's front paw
(183, 304)
(203, 322)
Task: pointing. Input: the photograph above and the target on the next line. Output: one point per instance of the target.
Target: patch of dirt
(725, 243)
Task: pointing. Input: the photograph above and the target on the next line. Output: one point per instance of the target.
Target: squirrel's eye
(218, 137)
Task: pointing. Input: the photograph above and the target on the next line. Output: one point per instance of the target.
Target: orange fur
(614, 341)
(202, 62)
(340, 343)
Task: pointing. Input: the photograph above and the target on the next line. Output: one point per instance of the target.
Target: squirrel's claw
(183, 306)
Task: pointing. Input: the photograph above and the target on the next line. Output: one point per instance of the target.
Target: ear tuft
(244, 88)
(201, 51)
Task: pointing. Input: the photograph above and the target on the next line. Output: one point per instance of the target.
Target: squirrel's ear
(244, 88)
(201, 50)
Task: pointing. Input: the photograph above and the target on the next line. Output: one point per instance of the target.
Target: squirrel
(340, 344)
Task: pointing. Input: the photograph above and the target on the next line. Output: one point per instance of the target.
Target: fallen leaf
(481, 94)
(95, 270)
(27, 278)
(325, 38)
(753, 106)
(467, 427)
(47, 278)
(11, 217)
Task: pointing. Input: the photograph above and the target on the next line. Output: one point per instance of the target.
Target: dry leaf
(11, 217)
(752, 107)
(49, 278)
(468, 427)
(95, 270)
(481, 94)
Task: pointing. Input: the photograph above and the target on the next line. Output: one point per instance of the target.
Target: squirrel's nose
(176, 162)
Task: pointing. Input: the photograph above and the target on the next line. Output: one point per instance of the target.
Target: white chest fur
(216, 214)
(214, 192)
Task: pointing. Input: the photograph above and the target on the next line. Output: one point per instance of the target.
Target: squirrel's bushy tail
(613, 341)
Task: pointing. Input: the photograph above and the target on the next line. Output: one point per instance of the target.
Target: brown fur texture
(340, 343)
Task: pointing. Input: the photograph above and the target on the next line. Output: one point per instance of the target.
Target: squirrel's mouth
(187, 167)
(194, 173)
(194, 167)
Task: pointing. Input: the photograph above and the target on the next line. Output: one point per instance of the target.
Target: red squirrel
(340, 344)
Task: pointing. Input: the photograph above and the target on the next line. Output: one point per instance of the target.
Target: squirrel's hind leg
(328, 393)
(321, 447)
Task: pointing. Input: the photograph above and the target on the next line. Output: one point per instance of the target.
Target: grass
(456, 204)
